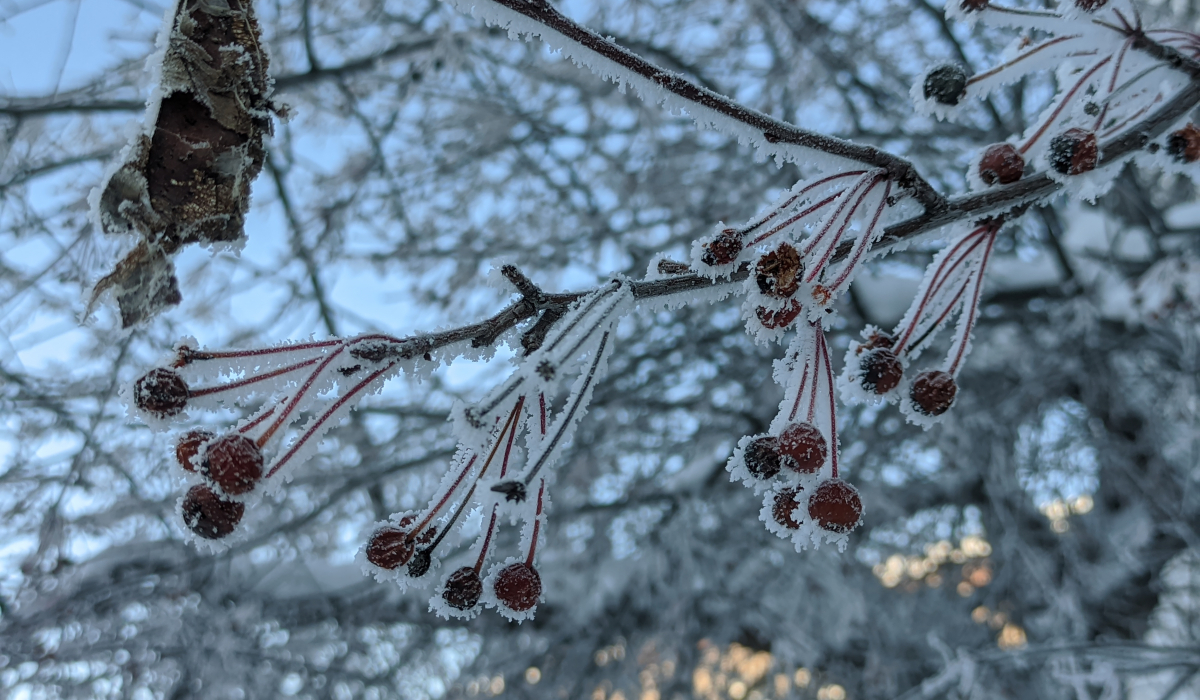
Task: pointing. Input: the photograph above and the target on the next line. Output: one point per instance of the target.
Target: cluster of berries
(1108, 88)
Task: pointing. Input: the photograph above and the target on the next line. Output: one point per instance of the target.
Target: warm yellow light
(1060, 526)
(1011, 637)
(802, 678)
(1083, 504)
(980, 614)
(831, 692)
(782, 685)
(965, 589)
(702, 681)
(496, 686)
(737, 690)
(532, 675)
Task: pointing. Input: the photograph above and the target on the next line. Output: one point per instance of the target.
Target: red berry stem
(265, 415)
(512, 435)
(797, 217)
(444, 500)
(1062, 105)
(800, 393)
(833, 442)
(863, 242)
(312, 430)
(1132, 118)
(1030, 52)
(870, 182)
(291, 405)
(937, 323)
(487, 540)
(972, 311)
(253, 380)
(1016, 11)
(186, 355)
(542, 410)
(849, 193)
(537, 523)
(753, 225)
(945, 269)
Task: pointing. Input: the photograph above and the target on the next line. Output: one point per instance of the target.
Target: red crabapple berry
(881, 370)
(518, 586)
(778, 319)
(762, 457)
(946, 84)
(234, 463)
(390, 548)
(161, 392)
(933, 392)
(189, 446)
(805, 446)
(785, 503)
(208, 515)
(1074, 152)
(778, 272)
(723, 249)
(463, 589)
(1184, 145)
(836, 506)
(877, 339)
(1001, 164)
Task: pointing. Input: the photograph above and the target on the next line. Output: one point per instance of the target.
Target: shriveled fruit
(161, 392)
(1184, 145)
(877, 339)
(881, 370)
(933, 392)
(723, 249)
(762, 457)
(518, 586)
(836, 506)
(1001, 164)
(208, 515)
(234, 463)
(390, 548)
(781, 318)
(1074, 152)
(463, 589)
(785, 503)
(805, 447)
(420, 563)
(189, 446)
(946, 84)
(778, 272)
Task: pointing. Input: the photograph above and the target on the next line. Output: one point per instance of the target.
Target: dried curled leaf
(186, 179)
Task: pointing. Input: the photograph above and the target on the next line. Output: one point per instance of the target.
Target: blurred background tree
(1040, 544)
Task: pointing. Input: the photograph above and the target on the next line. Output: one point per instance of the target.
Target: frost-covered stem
(443, 501)
(1029, 53)
(756, 224)
(819, 267)
(542, 410)
(537, 523)
(487, 540)
(291, 405)
(863, 243)
(208, 391)
(773, 130)
(265, 415)
(316, 424)
(972, 310)
(833, 441)
(800, 395)
(186, 355)
(952, 260)
(1063, 104)
(846, 196)
(819, 205)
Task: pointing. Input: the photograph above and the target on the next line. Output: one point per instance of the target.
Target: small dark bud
(161, 392)
(1091, 109)
(420, 563)
(1001, 164)
(1075, 151)
(512, 490)
(762, 457)
(671, 267)
(946, 84)
(973, 5)
(933, 392)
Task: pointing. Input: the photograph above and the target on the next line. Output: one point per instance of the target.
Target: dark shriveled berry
(1074, 152)
(723, 249)
(778, 319)
(1090, 5)
(973, 5)
(518, 586)
(463, 589)
(390, 548)
(1001, 164)
(161, 392)
(933, 392)
(881, 370)
(877, 339)
(234, 463)
(189, 446)
(785, 503)
(805, 446)
(762, 457)
(778, 272)
(836, 506)
(946, 84)
(208, 515)
(420, 563)
(1184, 145)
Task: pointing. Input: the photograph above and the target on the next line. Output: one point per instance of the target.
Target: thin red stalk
(930, 291)
(445, 499)
(250, 426)
(1015, 11)
(1112, 84)
(512, 435)
(750, 227)
(1058, 110)
(845, 196)
(537, 523)
(487, 540)
(1136, 115)
(833, 442)
(1046, 44)
(310, 431)
(799, 392)
(542, 410)
(816, 376)
(863, 242)
(291, 406)
(973, 310)
(795, 218)
(252, 380)
(816, 270)
(192, 356)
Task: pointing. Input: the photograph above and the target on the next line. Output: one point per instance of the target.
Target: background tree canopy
(1040, 543)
